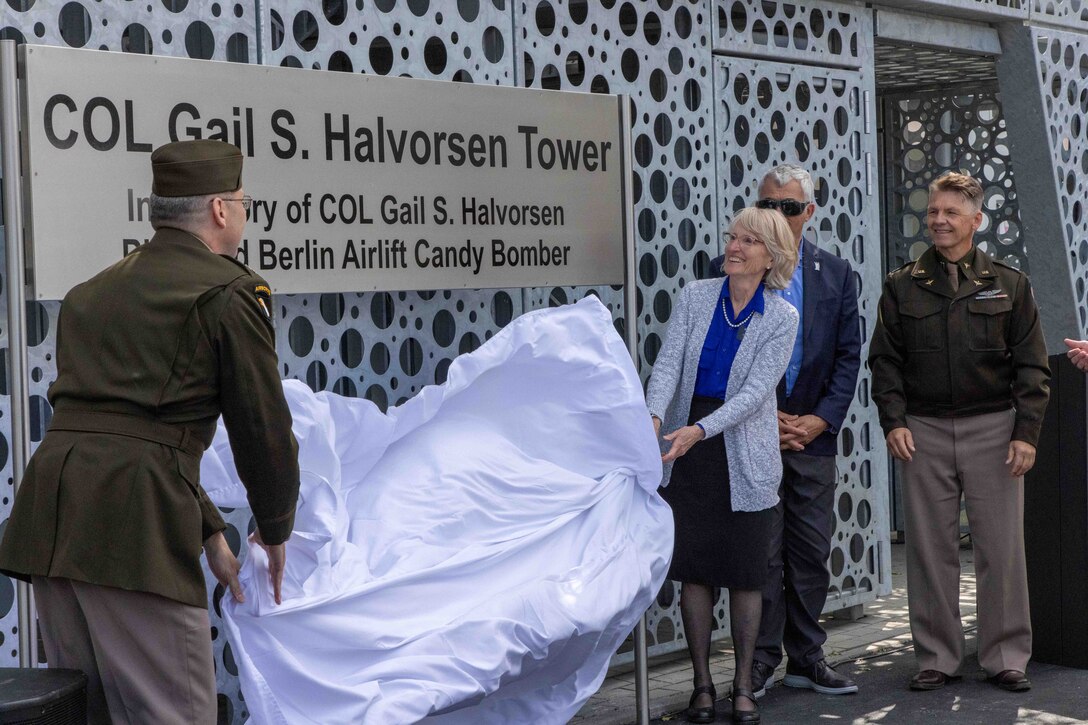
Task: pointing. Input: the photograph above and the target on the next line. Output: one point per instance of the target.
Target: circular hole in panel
(411, 356)
(340, 61)
(335, 11)
(659, 85)
(686, 234)
(662, 306)
(75, 24)
(545, 18)
(578, 10)
(670, 261)
(502, 308)
(468, 9)
(381, 55)
(136, 39)
(914, 160)
(659, 186)
(651, 28)
(238, 48)
(434, 55)
(629, 65)
(494, 45)
(575, 68)
(628, 19)
(351, 348)
(305, 30)
(738, 16)
(647, 268)
(317, 376)
(846, 506)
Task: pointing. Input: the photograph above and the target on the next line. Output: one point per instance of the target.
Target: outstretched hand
(277, 561)
(682, 440)
(1078, 353)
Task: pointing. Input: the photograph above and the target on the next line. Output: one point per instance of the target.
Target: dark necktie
(953, 275)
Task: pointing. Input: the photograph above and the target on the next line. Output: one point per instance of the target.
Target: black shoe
(762, 678)
(701, 714)
(749, 717)
(1011, 680)
(820, 677)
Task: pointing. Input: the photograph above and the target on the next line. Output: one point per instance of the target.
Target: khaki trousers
(965, 456)
(148, 659)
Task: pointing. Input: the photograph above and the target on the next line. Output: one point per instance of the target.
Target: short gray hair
(176, 210)
(785, 173)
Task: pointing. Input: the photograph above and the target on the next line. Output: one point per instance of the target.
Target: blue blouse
(722, 342)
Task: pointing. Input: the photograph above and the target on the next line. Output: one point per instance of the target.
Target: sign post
(20, 397)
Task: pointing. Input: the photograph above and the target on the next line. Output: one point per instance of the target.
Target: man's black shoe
(820, 677)
(931, 680)
(762, 678)
(1011, 680)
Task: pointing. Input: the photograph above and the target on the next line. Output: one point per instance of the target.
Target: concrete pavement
(876, 651)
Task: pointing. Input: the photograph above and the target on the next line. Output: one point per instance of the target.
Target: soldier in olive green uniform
(960, 377)
(110, 519)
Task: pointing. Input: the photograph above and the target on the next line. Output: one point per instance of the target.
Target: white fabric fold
(475, 555)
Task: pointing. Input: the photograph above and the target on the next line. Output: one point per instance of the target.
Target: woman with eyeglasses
(712, 394)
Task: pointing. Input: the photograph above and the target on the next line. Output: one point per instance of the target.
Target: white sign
(362, 182)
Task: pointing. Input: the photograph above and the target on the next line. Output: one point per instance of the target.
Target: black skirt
(715, 545)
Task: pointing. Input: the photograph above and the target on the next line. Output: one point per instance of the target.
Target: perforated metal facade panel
(1062, 66)
(828, 33)
(936, 133)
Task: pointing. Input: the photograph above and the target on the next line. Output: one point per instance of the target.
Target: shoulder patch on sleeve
(264, 299)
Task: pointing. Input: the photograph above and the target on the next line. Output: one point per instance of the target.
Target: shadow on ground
(1059, 696)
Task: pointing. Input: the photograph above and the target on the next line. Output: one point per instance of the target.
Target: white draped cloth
(475, 555)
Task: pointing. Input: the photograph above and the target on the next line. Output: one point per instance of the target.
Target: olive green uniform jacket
(149, 353)
(943, 353)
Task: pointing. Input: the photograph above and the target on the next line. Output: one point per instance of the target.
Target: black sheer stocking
(697, 612)
(745, 607)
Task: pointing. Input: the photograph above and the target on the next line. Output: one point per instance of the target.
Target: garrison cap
(195, 168)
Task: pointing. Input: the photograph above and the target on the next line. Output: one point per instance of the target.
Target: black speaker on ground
(1056, 523)
(42, 697)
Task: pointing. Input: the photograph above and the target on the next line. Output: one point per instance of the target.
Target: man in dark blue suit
(813, 399)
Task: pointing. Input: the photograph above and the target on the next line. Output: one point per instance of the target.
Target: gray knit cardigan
(748, 418)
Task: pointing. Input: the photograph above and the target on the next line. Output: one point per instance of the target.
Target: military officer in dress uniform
(960, 378)
(110, 519)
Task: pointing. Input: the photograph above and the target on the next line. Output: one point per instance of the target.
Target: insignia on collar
(264, 299)
(929, 281)
(979, 283)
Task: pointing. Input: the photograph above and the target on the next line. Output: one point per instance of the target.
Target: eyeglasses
(247, 201)
(789, 207)
(747, 240)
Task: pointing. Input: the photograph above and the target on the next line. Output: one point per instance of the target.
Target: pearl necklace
(735, 325)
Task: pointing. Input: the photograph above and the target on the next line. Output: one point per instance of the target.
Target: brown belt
(147, 429)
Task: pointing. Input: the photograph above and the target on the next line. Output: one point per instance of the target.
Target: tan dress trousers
(955, 456)
(148, 659)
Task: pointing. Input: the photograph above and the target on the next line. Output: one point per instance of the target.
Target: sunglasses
(789, 207)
